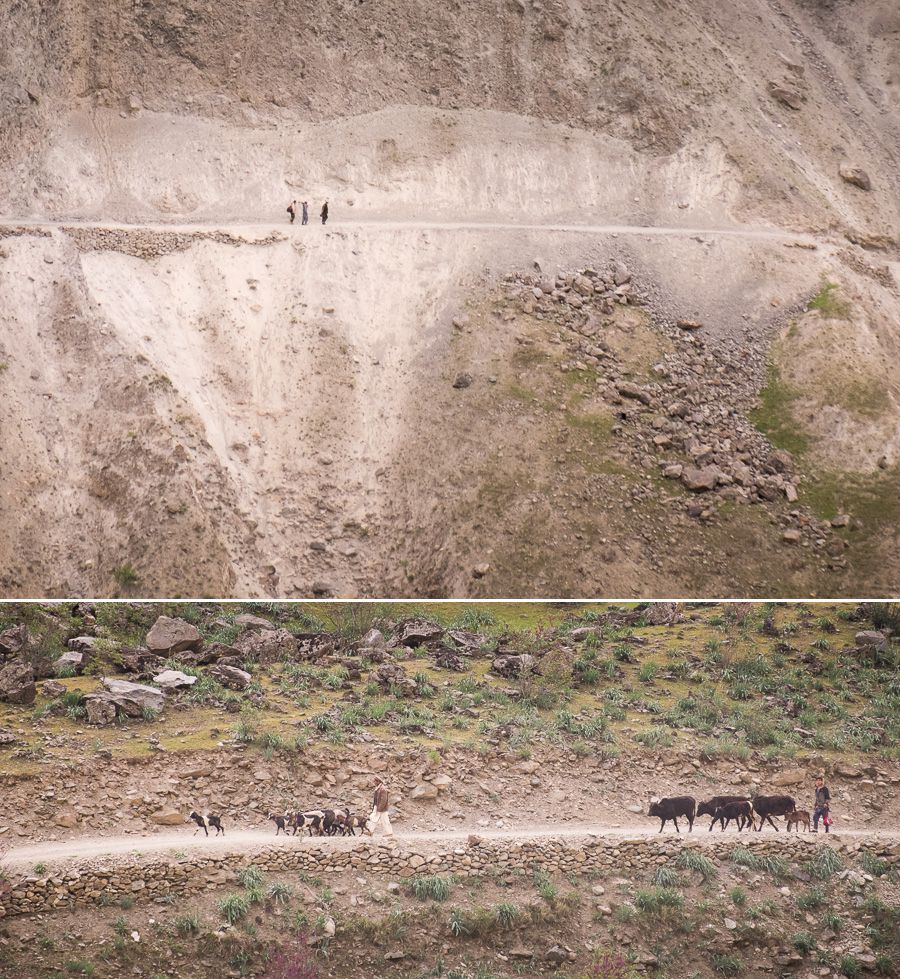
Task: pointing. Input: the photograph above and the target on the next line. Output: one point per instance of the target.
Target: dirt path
(769, 234)
(248, 840)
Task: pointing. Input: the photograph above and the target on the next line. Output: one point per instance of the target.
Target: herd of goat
(724, 809)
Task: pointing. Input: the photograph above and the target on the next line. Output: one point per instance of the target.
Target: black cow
(666, 809)
(767, 806)
(204, 822)
(709, 806)
(740, 812)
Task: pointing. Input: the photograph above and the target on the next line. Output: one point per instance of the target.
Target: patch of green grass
(774, 416)
(666, 877)
(813, 898)
(872, 864)
(833, 921)
(80, 967)
(544, 885)
(727, 965)
(850, 966)
(828, 302)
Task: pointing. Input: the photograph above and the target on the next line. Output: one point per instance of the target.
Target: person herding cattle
(324, 212)
(822, 807)
(292, 210)
(380, 805)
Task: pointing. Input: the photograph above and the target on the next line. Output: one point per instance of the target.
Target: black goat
(279, 821)
(204, 822)
(666, 809)
(767, 806)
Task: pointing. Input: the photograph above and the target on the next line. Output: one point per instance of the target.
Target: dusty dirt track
(249, 841)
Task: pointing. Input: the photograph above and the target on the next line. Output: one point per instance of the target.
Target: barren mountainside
(418, 398)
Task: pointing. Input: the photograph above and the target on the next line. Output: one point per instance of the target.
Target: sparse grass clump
(431, 887)
(828, 303)
(187, 924)
(825, 864)
(657, 900)
(803, 942)
(696, 861)
(813, 898)
(665, 877)
(233, 907)
(871, 864)
(545, 886)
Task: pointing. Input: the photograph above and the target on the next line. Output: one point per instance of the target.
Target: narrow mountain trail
(252, 840)
(374, 224)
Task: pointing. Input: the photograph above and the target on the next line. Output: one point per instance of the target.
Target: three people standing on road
(822, 806)
(381, 803)
(292, 210)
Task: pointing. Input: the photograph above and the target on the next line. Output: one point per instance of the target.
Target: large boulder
(662, 613)
(70, 660)
(230, 677)
(391, 676)
(174, 680)
(101, 709)
(17, 683)
(512, 666)
(469, 643)
(133, 698)
(700, 480)
(855, 175)
(247, 621)
(13, 639)
(415, 632)
(424, 791)
(373, 639)
(266, 646)
(170, 636)
(168, 817)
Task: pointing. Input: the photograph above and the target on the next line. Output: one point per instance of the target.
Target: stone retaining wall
(148, 878)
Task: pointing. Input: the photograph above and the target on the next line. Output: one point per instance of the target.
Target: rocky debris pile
(148, 243)
(689, 419)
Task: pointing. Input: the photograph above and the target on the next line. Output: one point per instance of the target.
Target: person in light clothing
(380, 806)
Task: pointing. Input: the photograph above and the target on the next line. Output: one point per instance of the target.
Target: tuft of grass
(727, 965)
(850, 967)
(126, 576)
(545, 886)
(187, 924)
(738, 897)
(803, 942)
(280, 892)
(506, 915)
(233, 907)
(825, 864)
(833, 921)
(666, 877)
(658, 900)
(872, 865)
(431, 887)
(813, 898)
(694, 860)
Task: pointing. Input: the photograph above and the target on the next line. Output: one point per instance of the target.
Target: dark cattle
(204, 822)
(666, 809)
(767, 806)
(740, 812)
(796, 818)
(709, 806)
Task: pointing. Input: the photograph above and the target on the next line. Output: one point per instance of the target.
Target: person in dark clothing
(822, 806)
(324, 212)
(292, 210)
(305, 218)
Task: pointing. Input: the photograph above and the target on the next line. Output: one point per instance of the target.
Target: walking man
(823, 804)
(305, 218)
(325, 212)
(292, 210)
(380, 805)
